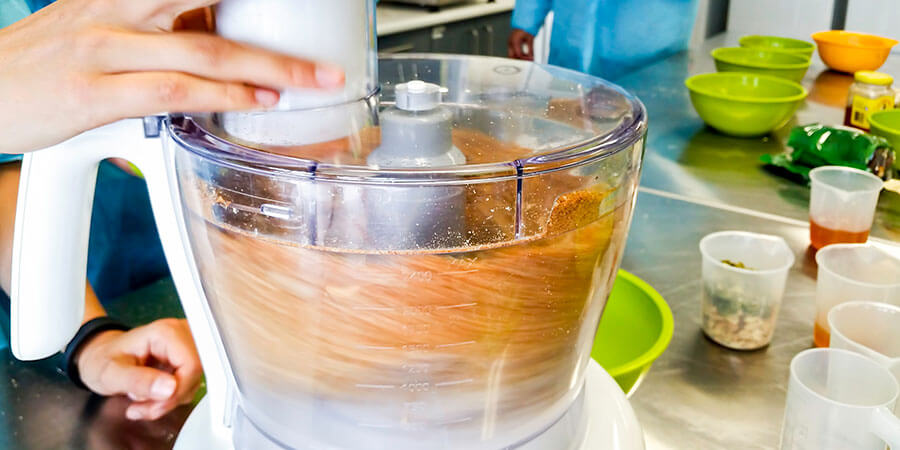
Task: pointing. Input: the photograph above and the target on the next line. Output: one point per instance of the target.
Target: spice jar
(870, 92)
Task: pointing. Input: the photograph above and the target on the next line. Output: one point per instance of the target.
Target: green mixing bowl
(887, 125)
(744, 104)
(764, 62)
(780, 44)
(635, 329)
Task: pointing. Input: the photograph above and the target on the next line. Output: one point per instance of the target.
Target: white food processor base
(611, 423)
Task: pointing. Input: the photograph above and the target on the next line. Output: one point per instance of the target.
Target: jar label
(865, 107)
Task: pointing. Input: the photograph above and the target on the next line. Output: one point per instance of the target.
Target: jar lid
(876, 78)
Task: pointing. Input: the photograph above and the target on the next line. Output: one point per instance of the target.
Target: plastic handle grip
(56, 191)
(53, 214)
(886, 426)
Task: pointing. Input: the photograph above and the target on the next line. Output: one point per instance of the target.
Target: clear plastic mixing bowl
(417, 307)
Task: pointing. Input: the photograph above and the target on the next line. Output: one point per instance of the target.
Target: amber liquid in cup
(821, 236)
(821, 336)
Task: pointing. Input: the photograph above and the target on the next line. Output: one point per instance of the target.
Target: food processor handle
(53, 215)
(886, 426)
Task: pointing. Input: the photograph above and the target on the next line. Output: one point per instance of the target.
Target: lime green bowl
(887, 125)
(744, 104)
(635, 329)
(780, 44)
(764, 62)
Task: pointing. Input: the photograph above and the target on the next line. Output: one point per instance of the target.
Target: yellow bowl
(850, 52)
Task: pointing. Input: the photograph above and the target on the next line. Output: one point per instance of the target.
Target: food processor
(418, 260)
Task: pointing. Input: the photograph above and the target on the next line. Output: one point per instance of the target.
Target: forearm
(9, 188)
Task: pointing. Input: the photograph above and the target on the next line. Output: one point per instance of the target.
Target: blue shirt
(608, 38)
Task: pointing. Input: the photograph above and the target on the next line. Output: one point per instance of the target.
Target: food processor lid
(535, 117)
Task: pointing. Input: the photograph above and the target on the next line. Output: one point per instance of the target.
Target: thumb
(138, 382)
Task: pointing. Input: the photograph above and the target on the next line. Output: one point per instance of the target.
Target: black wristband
(88, 330)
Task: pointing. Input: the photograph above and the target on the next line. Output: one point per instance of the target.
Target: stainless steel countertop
(697, 395)
(685, 157)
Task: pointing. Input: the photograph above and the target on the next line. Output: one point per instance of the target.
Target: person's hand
(521, 45)
(156, 366)
(79, 64)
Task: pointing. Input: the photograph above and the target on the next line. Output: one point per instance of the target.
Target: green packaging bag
(817, 145)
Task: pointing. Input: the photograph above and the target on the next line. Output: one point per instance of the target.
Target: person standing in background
(605, 38)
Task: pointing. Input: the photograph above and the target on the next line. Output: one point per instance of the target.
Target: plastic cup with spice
(838, 400)
(850, 272)
(871, 329)
(744, 276)
(870, 92)
(841, 205)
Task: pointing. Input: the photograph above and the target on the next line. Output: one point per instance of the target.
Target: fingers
(528, 47)
(514, 46)
(144, 93)
(521, 45)
(154, 409)
(210, 56)
(174, 346)
(150, 15)
(125, 376)
(197, 20)
(170, 343)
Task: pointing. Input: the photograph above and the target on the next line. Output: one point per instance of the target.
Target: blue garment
(124, 251)
(608, 38)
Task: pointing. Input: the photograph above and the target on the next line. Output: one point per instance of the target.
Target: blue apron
(609, 38)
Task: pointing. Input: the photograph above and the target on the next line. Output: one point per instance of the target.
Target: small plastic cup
(871, 329)
(839, 400)
(852, 272)
(842, 205)
(744, 276)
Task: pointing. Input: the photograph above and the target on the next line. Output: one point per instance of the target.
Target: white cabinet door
(881, 17)
(789, 18)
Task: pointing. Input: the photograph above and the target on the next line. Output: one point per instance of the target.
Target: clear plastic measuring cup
(842, 205)
(744, 275)
(853, 272)
(839, 400)
(871, 329)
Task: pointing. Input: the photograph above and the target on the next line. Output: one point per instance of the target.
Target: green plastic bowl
(764, 62)
(780, 44)
(887, 125)
(635, 329)
(744, 104)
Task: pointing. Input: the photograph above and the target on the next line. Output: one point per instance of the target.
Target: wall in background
(712, 17)
(789, 18)
(881, 17)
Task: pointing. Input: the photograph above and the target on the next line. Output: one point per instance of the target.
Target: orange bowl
(850, 52)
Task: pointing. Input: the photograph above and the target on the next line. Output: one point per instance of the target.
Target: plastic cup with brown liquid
(842, 205)
(851, 272)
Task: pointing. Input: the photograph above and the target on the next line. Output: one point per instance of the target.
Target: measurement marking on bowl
(371, 308)
(460, 272)
(461, 305)
(376, 347)
(455, 421)
(380, 387)
(453, 383)
(454, 345)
